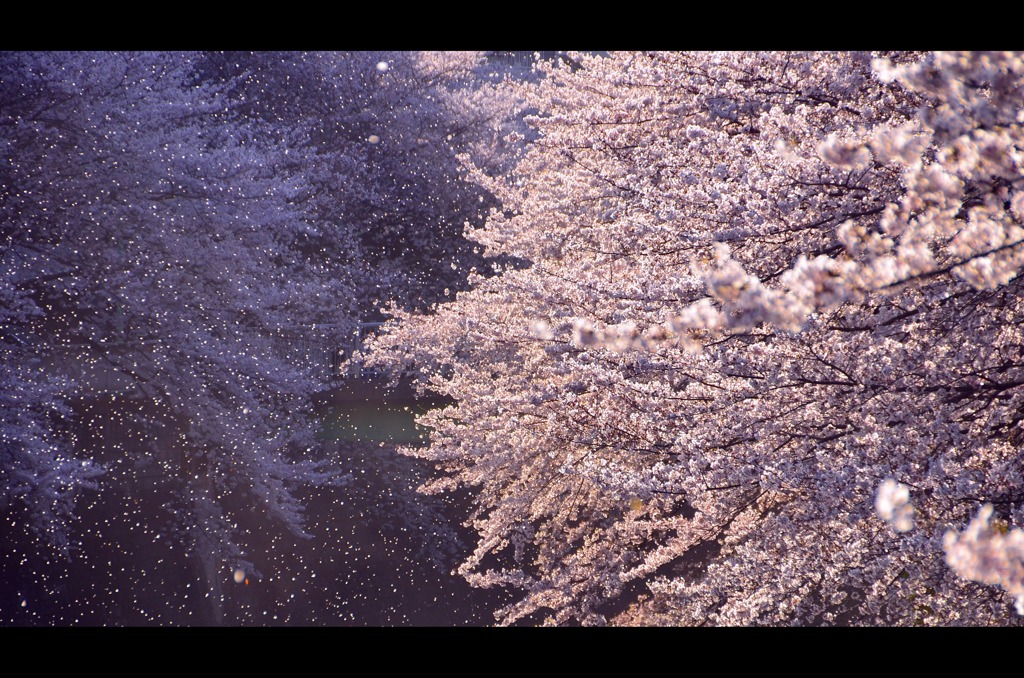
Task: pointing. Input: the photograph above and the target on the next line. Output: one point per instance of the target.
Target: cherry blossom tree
(764, 365)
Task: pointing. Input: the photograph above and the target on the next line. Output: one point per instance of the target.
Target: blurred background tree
(186, 239)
